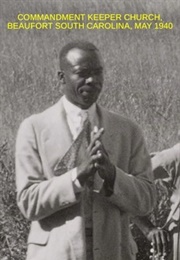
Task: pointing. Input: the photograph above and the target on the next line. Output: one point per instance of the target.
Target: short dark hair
(83, 45)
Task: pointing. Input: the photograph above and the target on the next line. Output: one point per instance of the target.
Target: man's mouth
(87, 91)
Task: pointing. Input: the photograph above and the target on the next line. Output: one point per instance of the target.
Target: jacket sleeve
(38, 196)
(134, 191)
(166, 157)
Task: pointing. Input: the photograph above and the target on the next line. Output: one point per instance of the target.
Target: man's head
(81, 73)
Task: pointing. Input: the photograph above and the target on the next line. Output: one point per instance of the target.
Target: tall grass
(141, 79)
(13, 227)
(141, 72)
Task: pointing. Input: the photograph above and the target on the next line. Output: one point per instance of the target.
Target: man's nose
(89, 79)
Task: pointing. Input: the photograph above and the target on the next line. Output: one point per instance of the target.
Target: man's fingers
(154, 244)
(96, 136)
(165, 237)
(96, 148)
(95, 158)
(164, 242)
(159, 244)
(98, 166)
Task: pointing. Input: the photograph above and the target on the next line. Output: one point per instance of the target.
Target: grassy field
(141, 81)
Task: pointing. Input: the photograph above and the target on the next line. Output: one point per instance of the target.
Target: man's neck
(69, 106)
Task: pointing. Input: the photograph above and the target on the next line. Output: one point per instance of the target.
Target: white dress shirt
(76, 116)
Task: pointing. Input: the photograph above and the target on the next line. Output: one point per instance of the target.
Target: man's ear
(61, 77)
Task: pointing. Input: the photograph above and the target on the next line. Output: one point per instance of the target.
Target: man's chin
(88, 101)
(86, 105)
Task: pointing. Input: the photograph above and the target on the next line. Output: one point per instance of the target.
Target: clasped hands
(95, 159)
(160, 241)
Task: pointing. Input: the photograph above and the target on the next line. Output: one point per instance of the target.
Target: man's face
(83, 77)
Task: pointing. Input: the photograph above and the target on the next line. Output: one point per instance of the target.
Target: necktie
(87, 197)
(85, 143)
(74, 154)
(85, 124)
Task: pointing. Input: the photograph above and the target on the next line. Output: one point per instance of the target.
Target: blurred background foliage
(141, 81)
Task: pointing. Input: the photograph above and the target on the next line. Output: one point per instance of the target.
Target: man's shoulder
(167, 157)
(119, 120)
(176, 148)
(44, 117)
(173, 153)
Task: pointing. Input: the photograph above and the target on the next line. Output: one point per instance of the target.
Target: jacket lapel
(56, 135)
(65, 138)
(102, 121)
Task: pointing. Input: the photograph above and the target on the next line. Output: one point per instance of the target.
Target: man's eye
(97, 71)
(89, 73)
(83, 73)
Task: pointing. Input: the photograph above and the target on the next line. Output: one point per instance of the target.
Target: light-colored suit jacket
(45, 194)
(168, 161)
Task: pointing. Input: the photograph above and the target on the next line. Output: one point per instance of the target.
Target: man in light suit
(168, 161)
(80, 199)
(166, 239)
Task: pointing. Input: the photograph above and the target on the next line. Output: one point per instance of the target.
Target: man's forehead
(76, 56)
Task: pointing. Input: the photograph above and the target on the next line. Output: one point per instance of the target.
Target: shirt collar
(73, 110)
